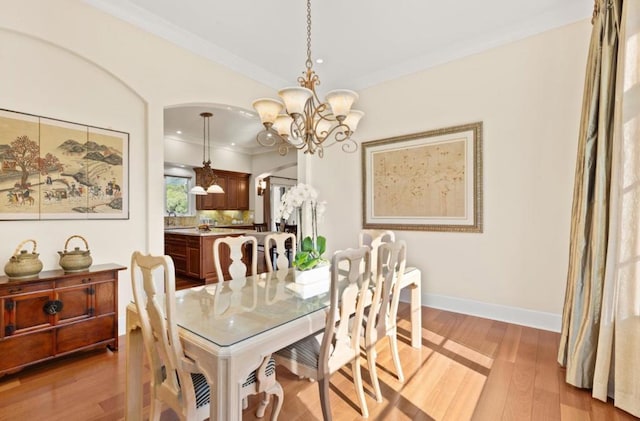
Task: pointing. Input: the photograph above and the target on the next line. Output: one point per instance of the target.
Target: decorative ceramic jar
(23, 264)
(75, 260)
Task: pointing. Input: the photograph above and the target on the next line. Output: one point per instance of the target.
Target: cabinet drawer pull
(14, 290)
(86, 280)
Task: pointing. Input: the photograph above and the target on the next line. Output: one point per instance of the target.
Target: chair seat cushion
(203, 397)
(200, 386)
(269, 371)
(306, 352)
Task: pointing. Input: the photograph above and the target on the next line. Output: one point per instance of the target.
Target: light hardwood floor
(467, 369)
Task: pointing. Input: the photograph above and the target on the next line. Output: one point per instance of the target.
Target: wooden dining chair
(381, 320)
(318, 356)
(177, 380)
(238, 247)
(280, 247)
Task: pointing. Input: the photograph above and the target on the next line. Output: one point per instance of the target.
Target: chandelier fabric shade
(300, 120)
(208, 182)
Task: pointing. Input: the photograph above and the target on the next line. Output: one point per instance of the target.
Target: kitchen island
(192, 251)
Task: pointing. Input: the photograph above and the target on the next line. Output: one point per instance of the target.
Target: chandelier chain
(309, 63)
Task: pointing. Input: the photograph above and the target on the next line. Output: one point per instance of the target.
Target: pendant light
(208, 177)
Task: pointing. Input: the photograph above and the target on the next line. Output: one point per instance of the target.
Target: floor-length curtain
(601, 318)
(617, 370)
(590, 211)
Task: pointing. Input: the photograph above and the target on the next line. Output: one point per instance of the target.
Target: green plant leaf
(307, 244)
(322, 245)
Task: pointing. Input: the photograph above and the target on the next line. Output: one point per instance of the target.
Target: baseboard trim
(515, 315)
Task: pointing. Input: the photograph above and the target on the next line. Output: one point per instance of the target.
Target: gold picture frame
(56, 169)
(428, 181)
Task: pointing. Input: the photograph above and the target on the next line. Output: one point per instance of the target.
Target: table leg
(134, 363)
(416, 313)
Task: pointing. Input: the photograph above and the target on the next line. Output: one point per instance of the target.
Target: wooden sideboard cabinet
(57, 313)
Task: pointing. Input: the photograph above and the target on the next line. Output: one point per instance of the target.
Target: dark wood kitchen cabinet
(193, 255)
(236, 191)
(57, 313)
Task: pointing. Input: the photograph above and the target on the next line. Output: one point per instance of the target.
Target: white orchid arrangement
(311, 247)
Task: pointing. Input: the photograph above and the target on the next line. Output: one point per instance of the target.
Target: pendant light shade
(207, 176)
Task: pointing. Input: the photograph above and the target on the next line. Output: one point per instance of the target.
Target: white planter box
(317, 274)
(309, 290)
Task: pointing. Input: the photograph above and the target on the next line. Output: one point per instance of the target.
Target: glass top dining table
(233, 311)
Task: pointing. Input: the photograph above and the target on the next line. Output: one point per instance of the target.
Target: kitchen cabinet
(236, 191)
(193, 254)
(57, 313)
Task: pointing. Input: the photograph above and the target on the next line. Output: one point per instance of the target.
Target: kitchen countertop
(195, 232)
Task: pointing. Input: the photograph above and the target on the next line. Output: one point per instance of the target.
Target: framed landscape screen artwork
(429, 181)
(54, 169)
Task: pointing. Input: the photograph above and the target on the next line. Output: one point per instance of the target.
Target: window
(176, 194)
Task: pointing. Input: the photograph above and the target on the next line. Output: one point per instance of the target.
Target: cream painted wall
(87, 67)
(528, 94)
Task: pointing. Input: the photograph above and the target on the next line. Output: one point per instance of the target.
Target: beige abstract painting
(420, 181)
(428, 181)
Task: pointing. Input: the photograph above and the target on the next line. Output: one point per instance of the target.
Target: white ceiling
(362, 42)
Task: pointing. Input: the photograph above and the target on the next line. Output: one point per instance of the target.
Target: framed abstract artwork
(54, 169)
(428, 181)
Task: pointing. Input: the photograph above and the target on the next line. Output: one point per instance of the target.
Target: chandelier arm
(268, 137)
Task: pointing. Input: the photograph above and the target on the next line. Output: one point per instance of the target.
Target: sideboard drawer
(79, 335)
(85, 278)
(26, 349)
(23, 288)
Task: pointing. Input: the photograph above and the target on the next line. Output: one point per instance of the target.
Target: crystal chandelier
(308, 124)
(208, 177)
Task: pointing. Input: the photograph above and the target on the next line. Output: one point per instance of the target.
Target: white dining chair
(318, 356)
(237, 248)
(276, 243)
(373, 239)
(177, 380)
(381, 320)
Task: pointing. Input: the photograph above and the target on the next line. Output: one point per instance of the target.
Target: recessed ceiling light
(233, 143)
(319, 61)
(179, 131)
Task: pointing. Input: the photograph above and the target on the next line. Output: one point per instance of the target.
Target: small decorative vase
(317, 274)
(23, 264)
(75, 260)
